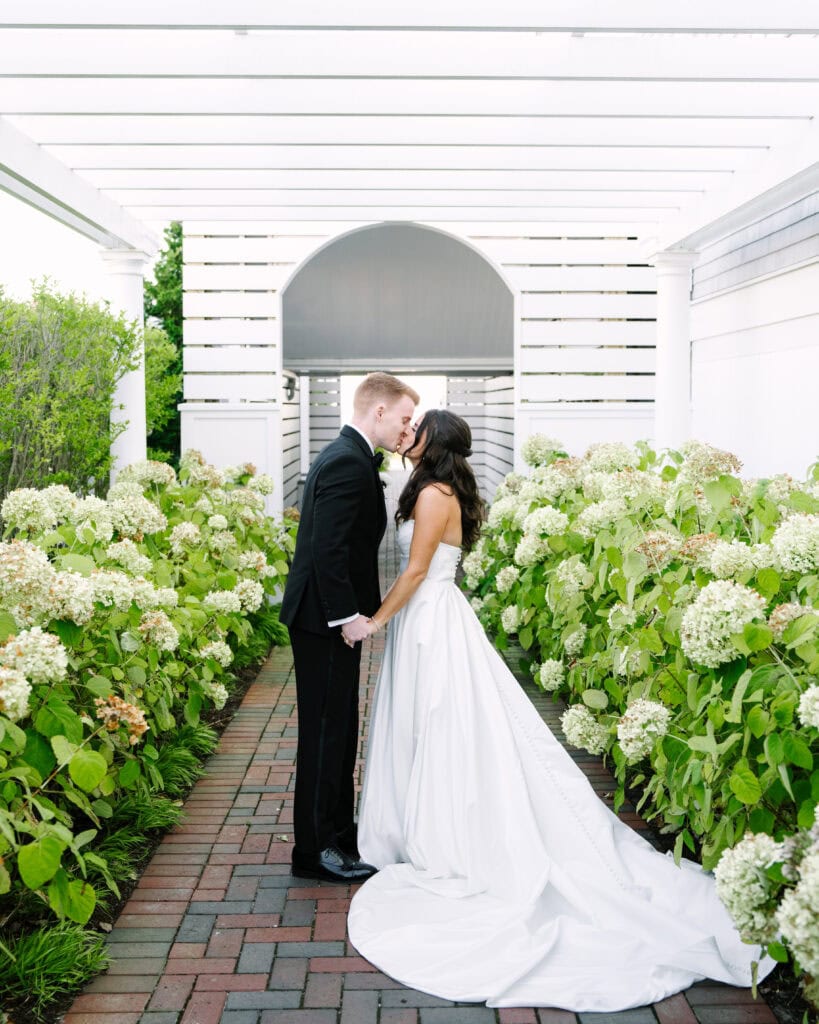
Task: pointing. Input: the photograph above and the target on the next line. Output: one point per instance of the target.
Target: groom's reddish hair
(378, 387)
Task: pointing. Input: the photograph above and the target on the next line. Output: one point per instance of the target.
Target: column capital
(124, 261)
(674, 259)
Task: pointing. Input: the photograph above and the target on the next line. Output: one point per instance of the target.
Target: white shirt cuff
(341, 622)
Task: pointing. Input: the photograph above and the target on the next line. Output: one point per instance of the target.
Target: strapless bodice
(444, 562)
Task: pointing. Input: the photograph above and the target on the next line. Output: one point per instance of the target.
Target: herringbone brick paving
(218, 932)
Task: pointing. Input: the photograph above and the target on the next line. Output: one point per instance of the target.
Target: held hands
(359, 629)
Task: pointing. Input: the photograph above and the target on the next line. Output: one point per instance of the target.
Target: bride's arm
(432, 510)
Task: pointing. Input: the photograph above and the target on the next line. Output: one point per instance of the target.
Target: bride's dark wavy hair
(448, 446)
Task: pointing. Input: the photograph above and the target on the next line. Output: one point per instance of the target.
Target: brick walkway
(218, 932)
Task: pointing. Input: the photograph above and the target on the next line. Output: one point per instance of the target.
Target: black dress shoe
(331, 865)
(347, 842)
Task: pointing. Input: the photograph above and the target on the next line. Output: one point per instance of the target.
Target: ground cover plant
(675, 606)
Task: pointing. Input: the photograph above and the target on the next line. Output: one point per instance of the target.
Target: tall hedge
(61, 357)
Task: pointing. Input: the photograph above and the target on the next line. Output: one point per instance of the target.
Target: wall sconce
(289, 381)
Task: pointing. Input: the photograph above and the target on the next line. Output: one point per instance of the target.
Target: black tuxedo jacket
(343, 517)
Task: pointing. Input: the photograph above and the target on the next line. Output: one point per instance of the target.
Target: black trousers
(327, 693)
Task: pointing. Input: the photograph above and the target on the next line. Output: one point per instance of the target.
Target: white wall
(755, 371)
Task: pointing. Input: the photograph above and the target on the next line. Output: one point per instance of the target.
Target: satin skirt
(503, 877)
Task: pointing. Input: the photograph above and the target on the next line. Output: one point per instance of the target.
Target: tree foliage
(60, 360)
(163, 303)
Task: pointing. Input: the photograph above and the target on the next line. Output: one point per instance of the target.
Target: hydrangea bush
(675, 607)
(119, 622)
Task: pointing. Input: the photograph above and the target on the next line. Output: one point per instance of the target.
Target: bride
(503, 877)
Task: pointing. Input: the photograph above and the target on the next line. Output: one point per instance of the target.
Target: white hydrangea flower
(71, 596)
(730, 559)
(217, 693)
(167, 597)
(629, 485)
(721, 609)
(261, 483)
(537, 448)
(598, 515)
(127, 554)
(146, 596)
(39, 656)
(26, 576)
(133, 514)
(93, 513)
(230, 474)
(510, 484)
(254, 560)
(809, 707)
(702, 462)
(573, 645)
(742, 884)
(28, 509)
(546, 521)
(204, 504)
(112, 588)
(784, 614)
(763, 556)
(796, 543)
(582, 730)
(245, 497)
(626, 662)
(501, 510)
(202, 473)
(505, 579)
(510, 618)
(15, 690)
(223, 601)
(504, 545)
(777, 489)
(643, 723)
(221, 541)
(550, 674)
(157, 629)
(182, 534)
(611, 457)
(219, 651)
(797, 918)
(474, 566)
(477, 605)
(529, 550)
(659, 547)
(218, 522)
(251, 594)
(149, 471)
(574, 576)
(620, 617)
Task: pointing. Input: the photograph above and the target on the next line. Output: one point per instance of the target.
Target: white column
(125, 269)
(672, 402)
(304, 422)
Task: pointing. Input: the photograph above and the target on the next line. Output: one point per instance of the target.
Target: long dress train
(504, 878)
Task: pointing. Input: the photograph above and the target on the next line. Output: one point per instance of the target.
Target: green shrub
(120, 620)
(60, 360)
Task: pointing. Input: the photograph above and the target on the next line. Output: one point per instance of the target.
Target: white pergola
(650, 120)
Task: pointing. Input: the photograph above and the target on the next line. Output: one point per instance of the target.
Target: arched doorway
(407, 299)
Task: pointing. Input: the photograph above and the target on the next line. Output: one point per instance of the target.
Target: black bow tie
(378, 458)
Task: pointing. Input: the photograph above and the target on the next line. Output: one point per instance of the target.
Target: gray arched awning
(398, 297)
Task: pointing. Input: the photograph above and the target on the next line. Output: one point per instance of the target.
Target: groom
(331, 590)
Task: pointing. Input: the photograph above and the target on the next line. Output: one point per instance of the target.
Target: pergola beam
(39, 179)
(697, 16)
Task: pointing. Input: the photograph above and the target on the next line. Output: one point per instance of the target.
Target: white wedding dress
(504, 878)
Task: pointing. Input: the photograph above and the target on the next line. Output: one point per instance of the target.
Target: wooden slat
(580, 388)
(588, 332)
(230, 359)
(588, 305)
(581, 279)
(269, 249)
(230, 304)
(562, 250)
(584, 359)
(230, 332)
(231, 276)
(238, 387)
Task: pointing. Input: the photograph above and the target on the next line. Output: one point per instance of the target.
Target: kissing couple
(492, 871)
